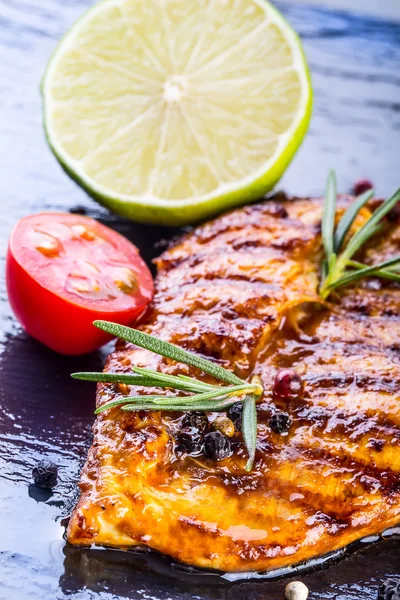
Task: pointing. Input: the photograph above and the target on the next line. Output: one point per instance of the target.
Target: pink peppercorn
(361, 186)
(288, 384)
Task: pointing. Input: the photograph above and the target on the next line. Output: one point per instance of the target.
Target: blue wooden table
(355, 64)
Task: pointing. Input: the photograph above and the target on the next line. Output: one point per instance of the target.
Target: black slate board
(355, 128)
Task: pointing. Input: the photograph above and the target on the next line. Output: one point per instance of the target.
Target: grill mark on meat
(372, 383)
(287, 245)
(247, 266)
(354, 425)
(373, 331)
(192, 299)
(369, 476)
(366, 303)
(309, 463)
(352, 357)
(311, 496)
(232, 223)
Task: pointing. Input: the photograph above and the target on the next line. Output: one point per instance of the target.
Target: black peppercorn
(280, 422)
(45, 474)
(217, 446)
(190, 440)
(198, 420)
(389, 590)
(235, 414)
(78, 210)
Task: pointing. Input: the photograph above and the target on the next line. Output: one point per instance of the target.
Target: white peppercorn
(296, 590)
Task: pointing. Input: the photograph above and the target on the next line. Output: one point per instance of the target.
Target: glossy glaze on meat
(240, 290)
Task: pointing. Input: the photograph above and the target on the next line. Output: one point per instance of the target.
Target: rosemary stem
(336, 269)
(221, 393)
(356, 265)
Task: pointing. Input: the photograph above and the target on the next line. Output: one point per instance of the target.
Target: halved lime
(168, 111)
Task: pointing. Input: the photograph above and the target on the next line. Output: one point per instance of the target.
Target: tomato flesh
(64, 271)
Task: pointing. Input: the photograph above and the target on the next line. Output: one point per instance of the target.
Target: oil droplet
(126, 281)
(391, 532)
(370, 539)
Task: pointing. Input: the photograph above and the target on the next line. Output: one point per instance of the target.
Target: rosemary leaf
(168, 350)
(375, 229)
(369, 228)
(348, 218)
(186, 378)
(382, 272)
(249, 428)
(386, 274)
(328, 217)
(179, 383)
(354, 276)
(108, 377)
(125, 400)
(144, 381)
(249, 421)
(210, 406)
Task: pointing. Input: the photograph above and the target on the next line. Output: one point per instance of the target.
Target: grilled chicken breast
(242, 290)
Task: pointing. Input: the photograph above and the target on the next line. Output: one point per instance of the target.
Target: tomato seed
(81, 231)
(127, 282)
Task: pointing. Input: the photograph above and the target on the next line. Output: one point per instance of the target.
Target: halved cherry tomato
(64, 271)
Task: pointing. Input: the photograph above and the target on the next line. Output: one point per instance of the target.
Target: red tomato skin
(54, 321)
(64, 326)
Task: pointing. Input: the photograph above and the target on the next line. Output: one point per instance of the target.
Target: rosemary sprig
(200, 395)
(338, 267)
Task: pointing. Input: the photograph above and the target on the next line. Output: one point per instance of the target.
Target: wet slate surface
(43, 413)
